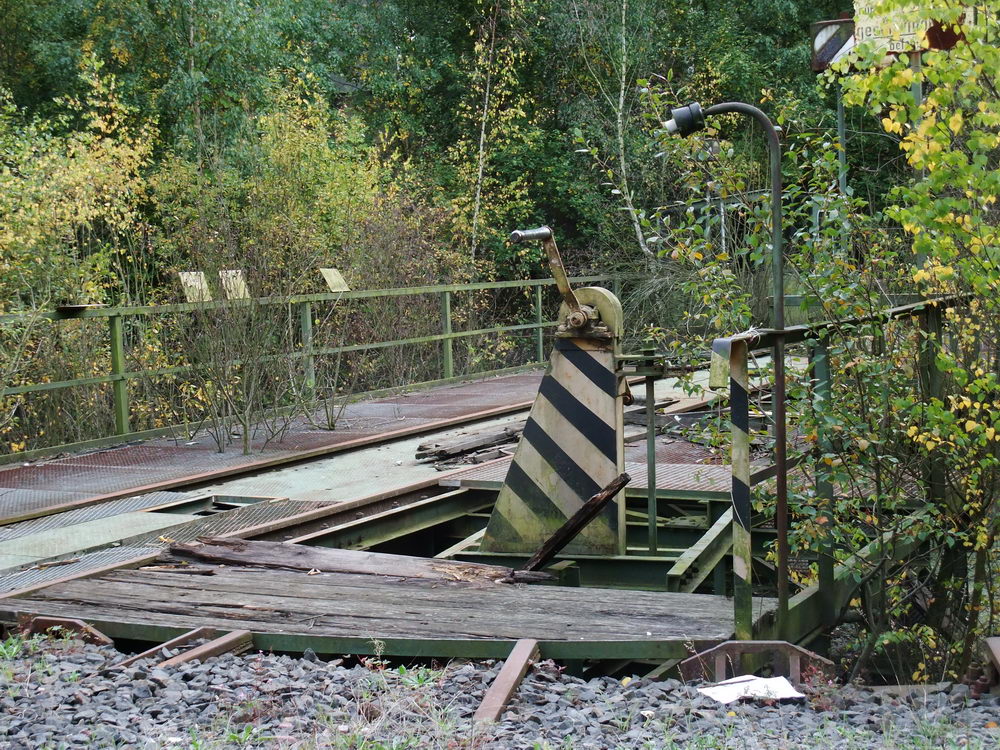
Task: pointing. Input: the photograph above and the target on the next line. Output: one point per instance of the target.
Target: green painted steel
(478, 648)
(539, 321)
(822, 386)
(365, 533)
(119, 376)
(447, 353)
(306, 341)
(119, 384)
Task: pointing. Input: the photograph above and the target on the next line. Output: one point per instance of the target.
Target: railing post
(739, 404)
(822, 389)
(308, 359)
(447, 355)
(119, 386)
(933, 387)
(652, 509)
(539, 332)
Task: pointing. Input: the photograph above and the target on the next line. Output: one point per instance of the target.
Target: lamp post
(685, 121)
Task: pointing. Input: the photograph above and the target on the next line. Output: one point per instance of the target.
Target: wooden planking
(337, 604)
(524, 653)
(332, 560)
(401, 615)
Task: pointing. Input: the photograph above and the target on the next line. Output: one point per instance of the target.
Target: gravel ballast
(65, 694)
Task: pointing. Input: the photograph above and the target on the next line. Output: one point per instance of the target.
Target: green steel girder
(618, 571)
(399, 522)
(419, 647)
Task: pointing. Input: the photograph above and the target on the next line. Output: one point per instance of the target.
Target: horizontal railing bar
(135, 375)
(108, 312)
(765, 337)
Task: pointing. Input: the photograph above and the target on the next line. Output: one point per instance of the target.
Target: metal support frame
(447, 353)
(687, 120)
(539, 332)
(306, 340)
(651, 504)
(822, 391)
(119, 375)
(739, 404)
(119, 384)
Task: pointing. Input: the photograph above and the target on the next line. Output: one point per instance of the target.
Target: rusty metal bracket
(579, 315)
(235, 642)
(83, 631)
(785, 656)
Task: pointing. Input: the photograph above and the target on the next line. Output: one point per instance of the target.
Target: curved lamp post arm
(777, 237)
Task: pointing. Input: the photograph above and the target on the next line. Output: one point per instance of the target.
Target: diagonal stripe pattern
(571, 448)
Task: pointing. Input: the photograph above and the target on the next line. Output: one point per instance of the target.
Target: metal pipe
(778, 323)
(651, 506)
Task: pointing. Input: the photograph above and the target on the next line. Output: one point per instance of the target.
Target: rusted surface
(88, 479)
(235, 642)
(79, 628)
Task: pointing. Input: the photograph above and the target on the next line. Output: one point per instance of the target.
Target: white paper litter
(748, 686)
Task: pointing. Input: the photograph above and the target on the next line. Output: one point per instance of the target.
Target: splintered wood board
(344, 605)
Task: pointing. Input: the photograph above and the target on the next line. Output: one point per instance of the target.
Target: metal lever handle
(526, 235)
(577, 317)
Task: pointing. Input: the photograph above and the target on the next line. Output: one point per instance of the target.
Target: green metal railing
(119, 376)
(804, 612)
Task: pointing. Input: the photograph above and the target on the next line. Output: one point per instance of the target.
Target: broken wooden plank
(466, 444)
(332, 560)
(235, 642)
(524, 653)
(576, 523)
(472, 540)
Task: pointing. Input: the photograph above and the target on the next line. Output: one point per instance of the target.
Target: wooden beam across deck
(290, 610)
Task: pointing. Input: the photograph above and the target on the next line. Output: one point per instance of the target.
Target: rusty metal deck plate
(709, 478)
(38, 489)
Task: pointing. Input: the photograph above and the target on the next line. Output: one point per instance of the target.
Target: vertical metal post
(778, 323)
(306, 339)
(822, 389)
(933, 387)
(651, 507)
(447, 358)
(119, 386)
(616, 287)
(739, 403)
(841, 143)
(539, 332)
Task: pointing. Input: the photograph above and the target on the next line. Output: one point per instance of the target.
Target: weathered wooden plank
(332, 560)
(424, 620)
(300, 591)
(524, 653)
(418, 608)
(575, 524)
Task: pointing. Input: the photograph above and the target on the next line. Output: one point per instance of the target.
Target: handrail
(119, 377)
(408, 291)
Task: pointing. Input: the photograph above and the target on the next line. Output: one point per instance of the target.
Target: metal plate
(82, 515)
(39, 486)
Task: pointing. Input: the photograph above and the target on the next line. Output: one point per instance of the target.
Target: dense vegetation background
(141, 137)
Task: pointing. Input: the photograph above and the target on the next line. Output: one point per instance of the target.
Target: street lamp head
(686, 120)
